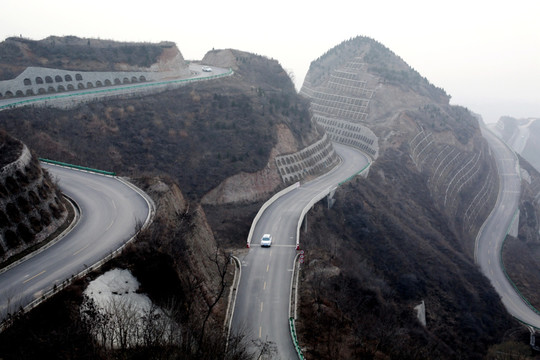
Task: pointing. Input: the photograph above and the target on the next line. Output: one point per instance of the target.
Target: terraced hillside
(405, 235)
(365, 96)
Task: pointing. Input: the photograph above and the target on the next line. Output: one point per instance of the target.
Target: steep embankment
(31, 207)
(406, 233)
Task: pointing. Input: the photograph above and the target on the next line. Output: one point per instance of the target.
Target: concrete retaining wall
(316, 158)
(29, 206)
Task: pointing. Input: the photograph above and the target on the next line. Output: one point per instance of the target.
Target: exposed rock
(245, 187)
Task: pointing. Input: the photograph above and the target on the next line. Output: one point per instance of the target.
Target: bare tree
(221, 261)
(266, 349)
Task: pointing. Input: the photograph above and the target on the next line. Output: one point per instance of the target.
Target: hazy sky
(485, 54)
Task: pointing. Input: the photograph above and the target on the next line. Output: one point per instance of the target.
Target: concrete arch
(39, 80)
(126, 80)
(142, 78)
(58, 78)
(68, 78)
(99, 83)
(9, 94)
(48, 80)
(108, 82)
(42, 91)
(117, 81)
(89, 85)
(61, 88)
(70, 87)
(1, 96)
(29, 92)
(27, 81)
(80, 86)
(19, 93)
(51, 89)
(134, 79)
(78, 77)
(12, 240)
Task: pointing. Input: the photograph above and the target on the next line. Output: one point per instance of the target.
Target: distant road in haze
(492, 235)
(262, 304)
(110, 211)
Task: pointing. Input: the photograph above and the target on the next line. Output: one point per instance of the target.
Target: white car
(206, 69)
(266, 240)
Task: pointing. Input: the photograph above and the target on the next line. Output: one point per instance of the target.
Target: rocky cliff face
(30, 203)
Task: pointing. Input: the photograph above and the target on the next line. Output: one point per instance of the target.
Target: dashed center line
(33, 277)
(81, 249)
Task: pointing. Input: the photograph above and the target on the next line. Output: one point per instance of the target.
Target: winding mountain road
(262, 304)
(110, 210)
(491, 237)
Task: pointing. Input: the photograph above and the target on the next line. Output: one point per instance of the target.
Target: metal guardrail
(295, 339)
(58, 286)
(527, 302)
(358, 173)
(316, 199)
(265, 206)
(78, 167)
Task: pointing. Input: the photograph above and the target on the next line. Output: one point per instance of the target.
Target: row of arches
(71, 87)
(49, 79)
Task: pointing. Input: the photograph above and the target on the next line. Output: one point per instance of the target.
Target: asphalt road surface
(262, 304)
(110, 211)
(493, 233)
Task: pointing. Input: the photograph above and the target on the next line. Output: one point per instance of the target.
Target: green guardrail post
(54, 162)
(295, 339)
